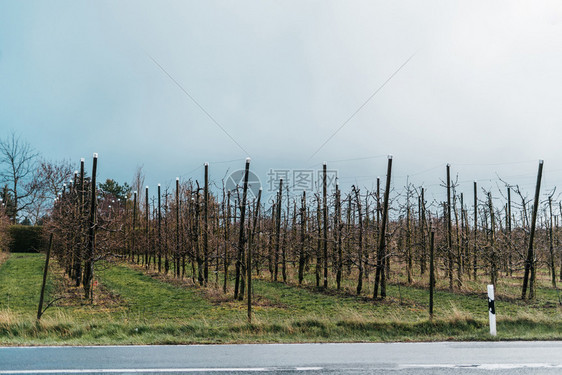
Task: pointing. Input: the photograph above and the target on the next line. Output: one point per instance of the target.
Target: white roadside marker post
(491, 310)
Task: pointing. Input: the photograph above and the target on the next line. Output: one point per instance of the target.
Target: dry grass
(212, 292)
(458, 314)
(4, 255)
(57, 317)
(71, 295)
(531, 316)
(8, 317)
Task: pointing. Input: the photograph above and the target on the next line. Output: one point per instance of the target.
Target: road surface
(394, 358)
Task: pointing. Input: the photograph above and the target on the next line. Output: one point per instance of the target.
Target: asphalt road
(395, 358)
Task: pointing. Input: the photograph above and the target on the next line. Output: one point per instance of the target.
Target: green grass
(142, 309)
(153, 300)
(20, 283)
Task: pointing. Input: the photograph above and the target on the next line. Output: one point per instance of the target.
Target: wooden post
(458, 242)
(366, 240)
(89, 265)
(350, 222)
(422, 231)
(226, 241)
(45, 271)
(337, 230)
(475, 245)
(509, 248)
(249, 264)
(360, 240)
(242, 237)
(166, 231)
(302, 255)
(431, 273)
(379, 275)
(258, 263)
(177, 255)
(75, 234)
(285, 235)
(206, 225)
(159, 231)
(408, 239)
(325, 222)
(530, 261)
(449, 229)
(271, 246)
(278, 228)
(319, 240)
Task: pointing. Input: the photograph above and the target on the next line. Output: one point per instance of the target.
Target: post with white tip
(88, 277)
(206, 226)
(240, 282)
(325, 223)
(177, 261)
(491, 310)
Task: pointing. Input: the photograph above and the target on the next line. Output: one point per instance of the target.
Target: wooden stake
(431, 273)
(449, 229)
(242, 238)
(278, 228)
(325, 222)
(89, 266)
(159, 231)
(530, 261)
(249, 264)
(45, 271)
(302, 255)
(177, 255)
(206, 225)
(380, 274)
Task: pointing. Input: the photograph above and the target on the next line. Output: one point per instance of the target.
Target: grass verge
(136, 307)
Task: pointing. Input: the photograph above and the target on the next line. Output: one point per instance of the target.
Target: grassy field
(133, 306)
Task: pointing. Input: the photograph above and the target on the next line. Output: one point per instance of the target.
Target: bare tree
(137, 184)
(17, 159)
(49, 180)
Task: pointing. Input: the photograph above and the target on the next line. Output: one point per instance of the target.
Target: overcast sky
(482, 90)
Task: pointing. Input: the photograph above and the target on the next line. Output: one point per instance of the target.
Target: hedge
(25, 238)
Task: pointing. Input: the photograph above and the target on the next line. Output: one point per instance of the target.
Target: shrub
(4, 234)
(25, 239)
